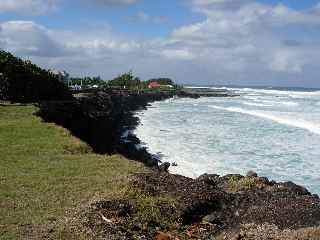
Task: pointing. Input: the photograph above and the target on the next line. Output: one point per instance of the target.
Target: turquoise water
(275, 133)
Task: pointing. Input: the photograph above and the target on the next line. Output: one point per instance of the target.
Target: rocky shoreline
(210, 207)
(102, 120)
(231, 207)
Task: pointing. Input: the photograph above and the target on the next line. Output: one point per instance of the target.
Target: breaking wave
(287, 120)
(273, 132)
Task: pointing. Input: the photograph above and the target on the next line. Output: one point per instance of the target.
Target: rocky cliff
(102, 119)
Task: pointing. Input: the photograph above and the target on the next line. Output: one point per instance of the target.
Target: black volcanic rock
(288, 207)
(205, 211)
(294, 188)
(252, 174)
(202, 208)
(164, 167)
(102, 119)
(209, 178)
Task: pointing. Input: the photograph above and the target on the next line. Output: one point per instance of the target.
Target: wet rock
(164, 167)
(251, 174)
(272, 182)
(264, 180)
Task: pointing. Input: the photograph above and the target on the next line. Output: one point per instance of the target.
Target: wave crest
(299, 123)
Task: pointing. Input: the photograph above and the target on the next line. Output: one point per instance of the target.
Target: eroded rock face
(102, 119)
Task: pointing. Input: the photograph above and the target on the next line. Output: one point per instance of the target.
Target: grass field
(44, 172)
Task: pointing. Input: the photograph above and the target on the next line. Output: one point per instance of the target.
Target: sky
(203, 42)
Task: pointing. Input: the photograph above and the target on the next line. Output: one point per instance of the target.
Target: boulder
(213, 218)
(251, 174)
(164, 167)
(264, 180)
(209, 178)
(294, 188)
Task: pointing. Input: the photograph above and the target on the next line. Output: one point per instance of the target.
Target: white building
(63, 76)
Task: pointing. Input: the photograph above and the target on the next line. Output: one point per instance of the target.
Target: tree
(126, 80)
(22, 81)
(4, 86)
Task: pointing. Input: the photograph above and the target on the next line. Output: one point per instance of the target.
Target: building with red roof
(154, 85)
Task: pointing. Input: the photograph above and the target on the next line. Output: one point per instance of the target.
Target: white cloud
(41, 7)
(247, 42)
(178, 54)
(29, 39)
(286, 61)
(146, 18)
(246, 37)
(115, 2)
(34, 7)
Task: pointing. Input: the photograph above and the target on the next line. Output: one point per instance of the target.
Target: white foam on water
(280, 92)
(278, 103)
(277, 139)
(299, 123)
(256, 99)
(290, 103)
(256, 104)
(251, 97)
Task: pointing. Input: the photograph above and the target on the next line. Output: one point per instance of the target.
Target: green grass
(45, 172)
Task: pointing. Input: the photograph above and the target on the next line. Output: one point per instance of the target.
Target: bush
(22, 81)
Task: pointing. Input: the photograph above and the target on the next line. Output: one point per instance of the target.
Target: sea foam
(288, 120)
(275, 133)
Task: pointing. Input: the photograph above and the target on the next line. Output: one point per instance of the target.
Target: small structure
(75, 87)
(154, 85)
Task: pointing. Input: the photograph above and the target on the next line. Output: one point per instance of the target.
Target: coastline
(102, 120)
(222, 205)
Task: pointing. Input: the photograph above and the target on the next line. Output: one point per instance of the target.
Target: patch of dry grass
(245, 183)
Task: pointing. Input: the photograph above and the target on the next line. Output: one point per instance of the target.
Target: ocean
(273, 132)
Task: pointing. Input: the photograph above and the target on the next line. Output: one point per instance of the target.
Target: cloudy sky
(242, 42)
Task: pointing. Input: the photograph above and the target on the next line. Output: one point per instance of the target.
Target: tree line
(22, 81)
(123, 81)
